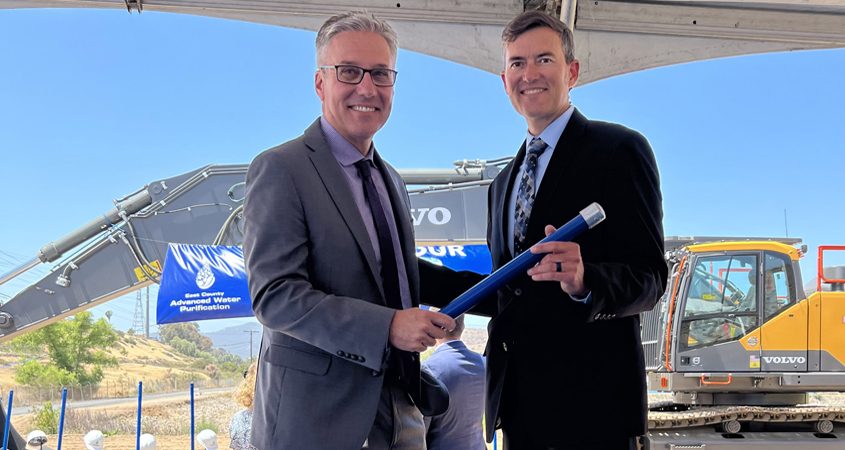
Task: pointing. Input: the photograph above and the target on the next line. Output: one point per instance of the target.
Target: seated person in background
(240, 427)
(749, 302)
(461, 370)
(94, 440)
(771, 295)
(207, 439)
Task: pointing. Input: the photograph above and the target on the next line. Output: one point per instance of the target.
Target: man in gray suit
(461, 370)
(332, 270)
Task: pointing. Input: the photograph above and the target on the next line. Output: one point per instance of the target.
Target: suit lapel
(402, 214)
(567, 148)
(502, 200)
(335, 182)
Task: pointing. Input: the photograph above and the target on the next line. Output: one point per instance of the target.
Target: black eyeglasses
(350, 74)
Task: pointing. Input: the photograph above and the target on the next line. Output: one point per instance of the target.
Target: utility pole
(251, 332)
(138, 318)
(147, 324)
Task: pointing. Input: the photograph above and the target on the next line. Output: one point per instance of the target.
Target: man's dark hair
(530, 20)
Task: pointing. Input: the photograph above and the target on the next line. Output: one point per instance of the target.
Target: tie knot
(537, 146)
(363, 165)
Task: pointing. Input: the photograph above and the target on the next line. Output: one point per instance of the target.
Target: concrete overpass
(613, 37)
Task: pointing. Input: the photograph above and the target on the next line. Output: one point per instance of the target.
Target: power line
(18, 257)
(251, 332)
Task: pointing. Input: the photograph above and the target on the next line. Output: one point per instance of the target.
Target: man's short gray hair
(355, 21)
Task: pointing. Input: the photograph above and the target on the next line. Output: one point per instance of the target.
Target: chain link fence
(36, 395)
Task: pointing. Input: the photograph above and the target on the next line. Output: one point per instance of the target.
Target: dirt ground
(168, 421)
(127, 442)
(215, 411)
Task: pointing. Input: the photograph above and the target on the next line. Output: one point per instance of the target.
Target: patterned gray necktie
(525, 194)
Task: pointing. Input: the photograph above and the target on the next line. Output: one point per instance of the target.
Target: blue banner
(475, 258)
(203, 282)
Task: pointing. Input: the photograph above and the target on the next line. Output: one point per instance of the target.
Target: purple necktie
(389, 269)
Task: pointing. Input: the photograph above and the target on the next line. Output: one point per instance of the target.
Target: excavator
(735, 339)
(739, 345)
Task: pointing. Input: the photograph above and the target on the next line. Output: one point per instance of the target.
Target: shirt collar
(551, 134)
(344, 152)
(454, 343)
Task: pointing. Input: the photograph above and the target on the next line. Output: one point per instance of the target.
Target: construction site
(743, 351)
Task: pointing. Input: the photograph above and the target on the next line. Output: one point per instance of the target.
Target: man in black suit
(565, 363)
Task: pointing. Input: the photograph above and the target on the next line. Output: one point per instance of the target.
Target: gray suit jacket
(317, 292)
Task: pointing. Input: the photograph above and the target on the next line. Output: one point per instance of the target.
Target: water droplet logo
(205, 277)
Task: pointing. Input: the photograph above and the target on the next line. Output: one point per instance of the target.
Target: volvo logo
(436, 216)
(784, 359)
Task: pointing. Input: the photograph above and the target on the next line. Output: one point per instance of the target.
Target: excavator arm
(124, 250)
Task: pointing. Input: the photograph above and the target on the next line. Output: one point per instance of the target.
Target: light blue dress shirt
(550, 135)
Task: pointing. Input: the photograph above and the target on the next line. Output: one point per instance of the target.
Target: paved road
(126, 401)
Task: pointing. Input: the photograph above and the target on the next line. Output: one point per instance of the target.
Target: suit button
(517, 291)
(375, 373)
(413, 356)
(505, 346)
(362, 359)
(341, 353)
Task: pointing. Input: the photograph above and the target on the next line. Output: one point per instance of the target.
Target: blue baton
(586, 219)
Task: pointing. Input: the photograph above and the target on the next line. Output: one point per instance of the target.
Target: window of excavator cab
(778, 283)
(721, 301)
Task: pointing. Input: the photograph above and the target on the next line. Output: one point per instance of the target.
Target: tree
(75, 348)
(188, 331)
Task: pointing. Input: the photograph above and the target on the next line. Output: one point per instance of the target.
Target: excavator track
(717, 415)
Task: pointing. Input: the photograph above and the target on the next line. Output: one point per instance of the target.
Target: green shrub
(46, 418)
(203, 424)
(34, 373)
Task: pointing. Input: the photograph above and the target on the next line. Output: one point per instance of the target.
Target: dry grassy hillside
(139, 359)
(152, 361)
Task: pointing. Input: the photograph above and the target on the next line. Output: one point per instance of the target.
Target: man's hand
(562, 263)
(415, 330)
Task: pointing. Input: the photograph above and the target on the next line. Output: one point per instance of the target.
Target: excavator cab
(740, 345)
(730, 312)
(719, 306)
(715, 312)
(736, 327)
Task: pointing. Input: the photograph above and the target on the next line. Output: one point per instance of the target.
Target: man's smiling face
(537, 77)
(356, 111)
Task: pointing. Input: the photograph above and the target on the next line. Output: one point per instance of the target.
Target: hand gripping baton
(586, 219)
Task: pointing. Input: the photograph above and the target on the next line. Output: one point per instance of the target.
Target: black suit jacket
(565, 369)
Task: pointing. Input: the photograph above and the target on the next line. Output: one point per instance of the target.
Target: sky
(94, 104)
